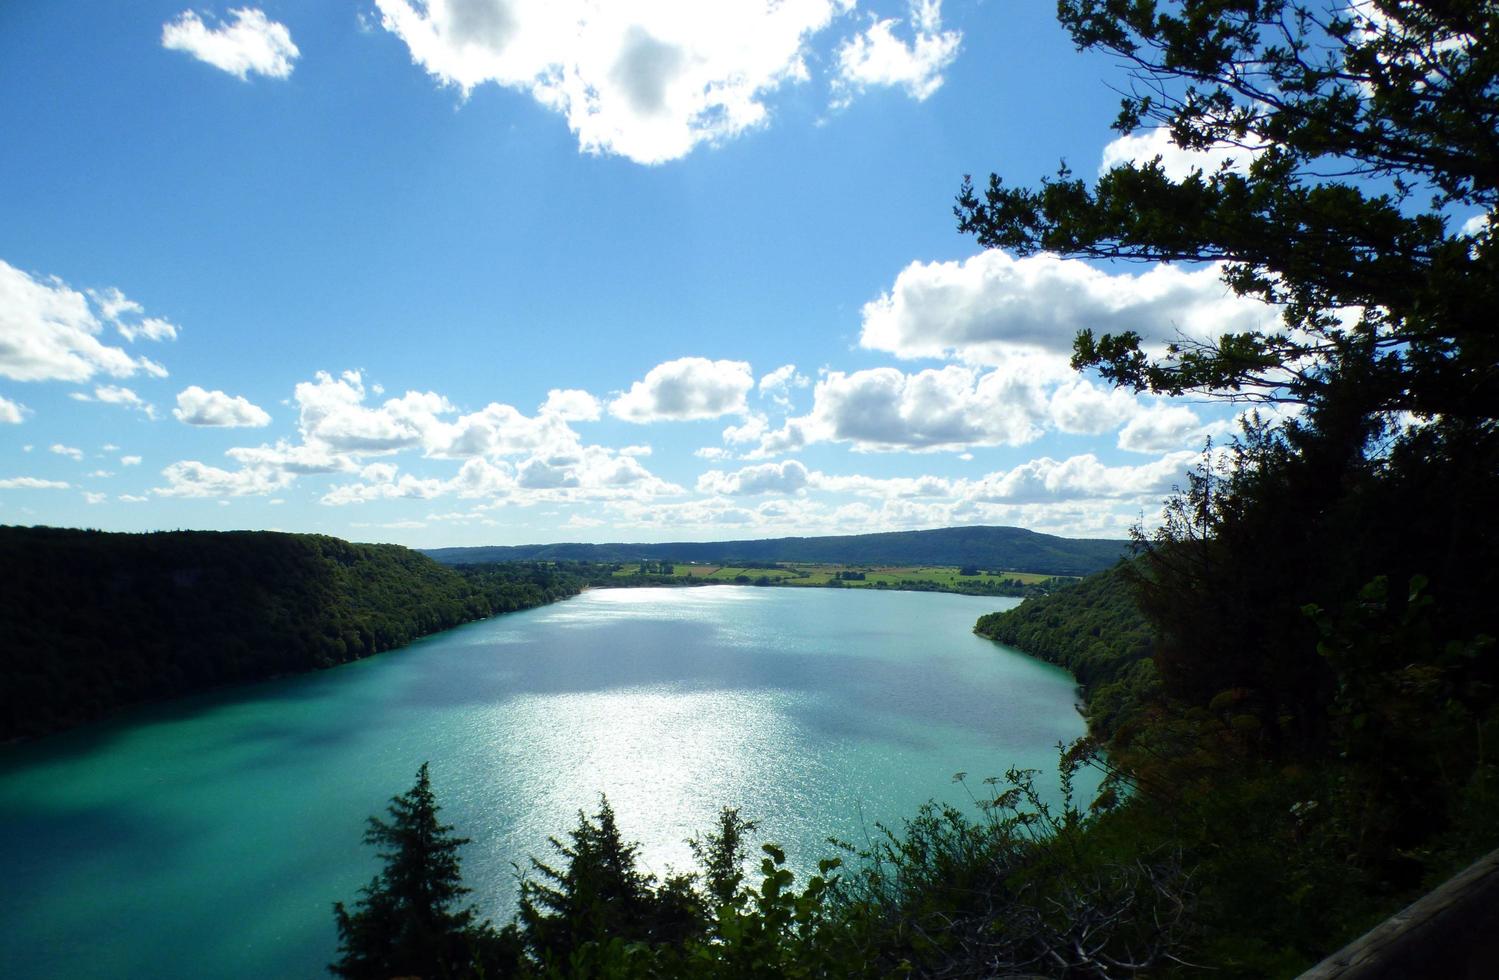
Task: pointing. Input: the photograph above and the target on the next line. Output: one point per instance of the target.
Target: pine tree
(406, 922)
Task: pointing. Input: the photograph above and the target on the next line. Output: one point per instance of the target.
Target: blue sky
(483, 271)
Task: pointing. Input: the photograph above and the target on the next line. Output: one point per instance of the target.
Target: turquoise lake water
(209, 837)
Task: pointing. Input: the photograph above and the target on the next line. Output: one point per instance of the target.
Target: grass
(924, 577)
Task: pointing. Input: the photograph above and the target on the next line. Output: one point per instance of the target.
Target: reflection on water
(208, 838)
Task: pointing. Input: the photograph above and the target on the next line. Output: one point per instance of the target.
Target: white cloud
(1077, 496)
(1080, 477)
(68, 451)
(100, 474)
(1177, 162)
(131, 498)
(333, 413)
(988, 308)
(130, 461)
(687, 388)
(297, 459)
(31, 483)
(195, 406)
(878, 57)
(48, 332)
(191, 478)
(11, 413)
(950, 408)
(117, 395)
(1476, 225)
(1081, 407)
(340, 431)
(94, 498)
(777, 385)
(383, 482)
(115, 307)
(571, 405)
(753, 429)
(646, 80)
(786, 477)
(253, 43)
(1162, 428)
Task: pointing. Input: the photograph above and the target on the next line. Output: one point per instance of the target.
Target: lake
(209, 837)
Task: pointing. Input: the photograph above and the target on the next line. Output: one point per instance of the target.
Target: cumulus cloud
(49, 332)
(988, 308)
(11, 413)
(299, 459)
(251, 44)
(195, 406)
(130, 461)
(876, 57)
(31, 483)
(1161, 428)
(1079, 477)
(382, 481)
(753, 429)
(571, 405)
(191, 478)
(1178, 163)
(786, 477)
(71, 452)
(777, 385)
(128, 316)
(684, 389)
(950, 408)
(505, 453)
(1079, 496)
(117, 395)
(1082, 408)
(647, 81)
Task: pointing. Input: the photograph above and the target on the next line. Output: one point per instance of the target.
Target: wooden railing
(1450, 934)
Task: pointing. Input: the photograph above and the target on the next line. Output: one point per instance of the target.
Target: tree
(406, 923)
(1349, 114)
(599, 895)
(1360, 172)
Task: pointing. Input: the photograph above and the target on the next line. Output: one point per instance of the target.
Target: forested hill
(1093, 628)
(1010, 548)
(94, 621)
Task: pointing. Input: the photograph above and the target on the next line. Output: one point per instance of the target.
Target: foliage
(1027, 889)
(1320, 591)
(1094, 629)
(405, 923)
(96, 621)
(1024, 886)
(599, 895)
(1349, 113)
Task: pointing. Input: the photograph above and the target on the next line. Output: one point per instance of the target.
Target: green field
(924, 577)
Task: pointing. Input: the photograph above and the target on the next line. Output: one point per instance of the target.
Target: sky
(473, 272)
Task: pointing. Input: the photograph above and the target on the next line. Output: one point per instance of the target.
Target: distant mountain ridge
(1008, 548)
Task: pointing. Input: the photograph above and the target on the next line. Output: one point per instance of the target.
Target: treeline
(95, 621)
(1017, 889)
(1094, 629)
(986, 547)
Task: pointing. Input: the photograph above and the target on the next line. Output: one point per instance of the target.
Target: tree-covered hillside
(1009, 548)
(94, 621)
(1094, 629)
